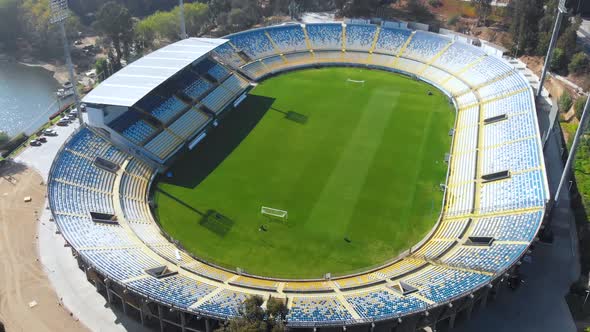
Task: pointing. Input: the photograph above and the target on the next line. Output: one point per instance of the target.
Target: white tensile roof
(127, 86)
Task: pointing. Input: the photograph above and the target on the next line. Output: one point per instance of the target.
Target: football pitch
(356, 165)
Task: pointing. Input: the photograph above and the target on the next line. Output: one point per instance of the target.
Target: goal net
(276, 213)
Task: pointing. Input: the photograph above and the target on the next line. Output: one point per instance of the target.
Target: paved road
(584, 35)
(69, 282)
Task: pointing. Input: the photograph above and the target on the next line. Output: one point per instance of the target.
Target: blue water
(27, 97)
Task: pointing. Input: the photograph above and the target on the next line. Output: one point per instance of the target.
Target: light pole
(59, 14)
(572, 155)
(561, 10)
(183, 34)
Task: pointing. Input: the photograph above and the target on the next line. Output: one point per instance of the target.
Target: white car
(49, 132)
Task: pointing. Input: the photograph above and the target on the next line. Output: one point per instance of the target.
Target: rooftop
(127, 86)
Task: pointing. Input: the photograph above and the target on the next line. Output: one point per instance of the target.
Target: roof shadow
(194, 166)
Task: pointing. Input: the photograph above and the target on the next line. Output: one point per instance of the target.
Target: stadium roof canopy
(127, 86)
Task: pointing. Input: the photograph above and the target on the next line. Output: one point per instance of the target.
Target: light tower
(183, 34)
(561, 10)
(572, 155)
(59, 14)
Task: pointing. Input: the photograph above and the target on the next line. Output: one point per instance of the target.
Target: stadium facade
(160, 106)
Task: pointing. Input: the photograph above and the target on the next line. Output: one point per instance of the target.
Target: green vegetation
(255, 319)
(453, 19)
(366, 165)
(30, 20)
(531, 26)
(557, 59)
(102, 69)
(565, 102)
(579, 63)
(579, 106)
(164, 25)
(4, 138)
(8, 22)
(483, 9)
(114, 22)
(582, 171)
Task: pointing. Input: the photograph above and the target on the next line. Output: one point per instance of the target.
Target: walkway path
(77, 294)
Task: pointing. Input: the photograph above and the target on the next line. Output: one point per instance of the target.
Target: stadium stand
(288, 38)
(360, 36)
(384, 304)
(320, 309)
(442, 269)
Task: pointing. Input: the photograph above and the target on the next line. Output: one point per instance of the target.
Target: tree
(253, 318)
(525, 16)
(276, 309)
(453, 19)
(294, 10)
(483, 9)
(36, 28)
(114, 21)
(565, 102)
(196, 17)
(4, 138)
(219, 8)
(9, 25)
(362, 8)
(579, 63)
(102, 68)
(557, 59)
(568, 37)
(419, 11)
(579, 106)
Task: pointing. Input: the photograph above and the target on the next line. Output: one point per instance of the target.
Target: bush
(565, 102)
(4, 138)
(14, 143)
(579, 106)
(579, 63)
(435, 3)
(557, 60)
(453, 19)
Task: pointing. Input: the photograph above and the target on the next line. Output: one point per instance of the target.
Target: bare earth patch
(27, 300)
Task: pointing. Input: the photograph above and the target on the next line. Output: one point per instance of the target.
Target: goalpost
(281, 214)
(362, 83)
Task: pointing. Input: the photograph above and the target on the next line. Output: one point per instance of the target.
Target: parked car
(42, 139)
(34, 142)
(49, 132)
(63, 123)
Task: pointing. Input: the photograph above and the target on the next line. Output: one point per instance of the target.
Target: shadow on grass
(181, 202)
(193, 167)
(216, 223)
(292, 116)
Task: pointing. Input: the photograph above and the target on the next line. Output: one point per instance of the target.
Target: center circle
(355, 156)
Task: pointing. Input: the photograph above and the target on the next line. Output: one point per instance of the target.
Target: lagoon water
(27, 97)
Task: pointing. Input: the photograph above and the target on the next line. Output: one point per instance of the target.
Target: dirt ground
(22, 277)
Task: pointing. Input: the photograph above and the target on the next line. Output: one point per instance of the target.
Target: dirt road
(22, 279)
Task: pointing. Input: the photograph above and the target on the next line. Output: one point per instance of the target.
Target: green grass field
(366, 165)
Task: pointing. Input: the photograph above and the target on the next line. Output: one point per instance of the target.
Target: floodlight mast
(59, 14)
(572, 155)
(561, 10)
(183, 34)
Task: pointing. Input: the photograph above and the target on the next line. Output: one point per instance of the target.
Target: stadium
(193, 161)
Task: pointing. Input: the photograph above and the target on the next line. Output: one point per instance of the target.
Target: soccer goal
(362, 83)
(276, 213)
